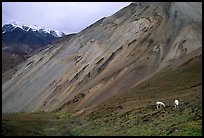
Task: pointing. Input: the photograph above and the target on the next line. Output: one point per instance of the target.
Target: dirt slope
(107, 58)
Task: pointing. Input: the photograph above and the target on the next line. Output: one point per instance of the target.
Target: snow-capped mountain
(11, 27)
(33, 36)
(20, 41)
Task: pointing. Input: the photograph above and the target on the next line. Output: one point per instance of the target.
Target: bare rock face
(107, 58)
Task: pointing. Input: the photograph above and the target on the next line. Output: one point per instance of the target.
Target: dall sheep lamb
(176, 103)
(159, 104)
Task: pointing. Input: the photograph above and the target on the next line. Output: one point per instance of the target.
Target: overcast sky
(68, 17)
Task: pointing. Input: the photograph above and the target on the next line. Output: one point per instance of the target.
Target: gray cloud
(68, 17)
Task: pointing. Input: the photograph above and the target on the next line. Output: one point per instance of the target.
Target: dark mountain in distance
(20, 42)
(32, 36)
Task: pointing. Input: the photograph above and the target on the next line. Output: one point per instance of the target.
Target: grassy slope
(134, 113)
(131, 113)
(38, 123)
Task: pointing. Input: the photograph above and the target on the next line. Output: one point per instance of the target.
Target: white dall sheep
(159, 104)
(176, 103)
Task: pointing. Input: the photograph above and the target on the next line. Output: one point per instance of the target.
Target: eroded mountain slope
(107, 58)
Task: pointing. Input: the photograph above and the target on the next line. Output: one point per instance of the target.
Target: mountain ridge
(20, 41)
(12, 26)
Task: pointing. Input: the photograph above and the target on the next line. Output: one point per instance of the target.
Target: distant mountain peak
(25, 27)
